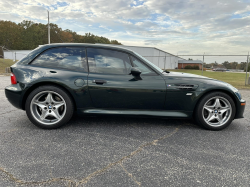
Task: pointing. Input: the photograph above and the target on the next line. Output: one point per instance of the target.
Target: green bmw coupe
(56, 80)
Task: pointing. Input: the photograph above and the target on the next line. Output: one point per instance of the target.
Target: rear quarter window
(72, 58)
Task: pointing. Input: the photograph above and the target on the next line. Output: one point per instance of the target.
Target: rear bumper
(240, 109)
(14, 95)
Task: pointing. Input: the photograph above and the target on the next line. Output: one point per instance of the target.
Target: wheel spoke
(224, 109)
(58, 104)
(209, 108)
(219, 118)
(40, 104)
(44, 114)
(210, 118)
(217, 103)
(49, 98)
(55, 114)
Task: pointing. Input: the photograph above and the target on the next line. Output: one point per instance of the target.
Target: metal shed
(157, 56)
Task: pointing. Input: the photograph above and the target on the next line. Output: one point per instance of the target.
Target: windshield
(156, 67)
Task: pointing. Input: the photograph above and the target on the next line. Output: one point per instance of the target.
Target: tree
(234, 65)
(227, 65)
(29, 35)
(242, 65)
(10, 35)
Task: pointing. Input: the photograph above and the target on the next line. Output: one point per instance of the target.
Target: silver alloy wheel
(217, 111)
(48, 107)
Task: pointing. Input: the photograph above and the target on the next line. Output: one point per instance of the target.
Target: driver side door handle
(99, 81)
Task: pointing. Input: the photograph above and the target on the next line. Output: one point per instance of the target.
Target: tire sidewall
(199, 115)
(67, 99)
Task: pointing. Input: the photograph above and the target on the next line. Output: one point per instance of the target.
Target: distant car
(220, 69)
(56, 80)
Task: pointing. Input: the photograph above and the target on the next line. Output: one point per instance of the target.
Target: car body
(220, 69)
(105, 79)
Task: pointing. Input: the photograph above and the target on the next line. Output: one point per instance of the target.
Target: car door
(111, 85)
(66, 66)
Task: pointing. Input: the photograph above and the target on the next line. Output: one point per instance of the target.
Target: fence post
(246, 70)
(15, 56)
(249, 72)
(165, 63)
(159, 59)
(202, 63)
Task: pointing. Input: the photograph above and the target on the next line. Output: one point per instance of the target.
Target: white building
(15, 54)
(161, 58)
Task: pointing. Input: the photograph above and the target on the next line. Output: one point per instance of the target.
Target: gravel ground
(110, 151)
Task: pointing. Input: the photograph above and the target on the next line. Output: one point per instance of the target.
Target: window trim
(110, 50)
(83, 48)
(130, 56)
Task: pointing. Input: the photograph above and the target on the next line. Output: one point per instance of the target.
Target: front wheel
(215, 111)
(49, 107)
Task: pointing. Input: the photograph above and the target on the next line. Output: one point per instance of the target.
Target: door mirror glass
(135, 71)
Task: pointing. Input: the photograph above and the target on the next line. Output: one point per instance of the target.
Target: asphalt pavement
(112, 151)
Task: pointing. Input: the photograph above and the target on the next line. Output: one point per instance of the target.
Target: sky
(182, 27)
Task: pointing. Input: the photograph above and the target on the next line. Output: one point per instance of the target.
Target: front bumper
(240, 109)
(14, 95)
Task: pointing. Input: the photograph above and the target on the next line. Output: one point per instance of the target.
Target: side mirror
(135, 71)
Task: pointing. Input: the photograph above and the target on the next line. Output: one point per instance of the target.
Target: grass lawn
(235, 79)
(4, 64)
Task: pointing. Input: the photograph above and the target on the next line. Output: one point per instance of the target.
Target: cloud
(152, 42)
(220, 26)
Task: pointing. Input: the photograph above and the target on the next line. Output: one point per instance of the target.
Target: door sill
(161, 113)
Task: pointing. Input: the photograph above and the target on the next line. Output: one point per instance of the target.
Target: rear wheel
(215, 111)
(49, 107)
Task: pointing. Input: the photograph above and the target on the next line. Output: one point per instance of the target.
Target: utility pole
(246, 70)
(48, 30)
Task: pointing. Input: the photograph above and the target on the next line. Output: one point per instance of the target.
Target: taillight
(13, 79)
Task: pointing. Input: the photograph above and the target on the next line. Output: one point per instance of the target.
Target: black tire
(200, 111)
(69, 106)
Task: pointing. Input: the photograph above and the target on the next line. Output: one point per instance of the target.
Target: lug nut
(49, 111)
(45, 108)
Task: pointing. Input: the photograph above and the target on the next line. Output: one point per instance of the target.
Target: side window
(72, 58)
(108, 61)
(144, 69)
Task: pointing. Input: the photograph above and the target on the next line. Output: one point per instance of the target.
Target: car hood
(186, 75)
(196, 79)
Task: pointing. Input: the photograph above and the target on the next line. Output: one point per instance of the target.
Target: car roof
(110, 46)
